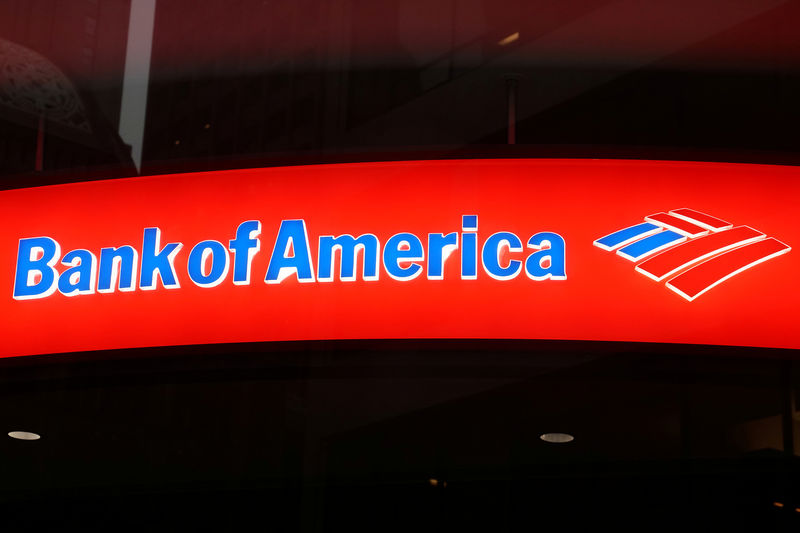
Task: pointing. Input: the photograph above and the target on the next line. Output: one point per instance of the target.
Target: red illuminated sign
(519, 249)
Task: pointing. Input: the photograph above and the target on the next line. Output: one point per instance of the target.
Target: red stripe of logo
(678, 225)
(691, 252)
(701, 219)
(705, 276)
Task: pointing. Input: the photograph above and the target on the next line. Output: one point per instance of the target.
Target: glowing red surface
(604, 298)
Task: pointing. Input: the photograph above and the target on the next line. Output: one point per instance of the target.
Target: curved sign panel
(649, 251)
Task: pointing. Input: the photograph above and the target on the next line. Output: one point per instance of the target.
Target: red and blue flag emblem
(693, 251)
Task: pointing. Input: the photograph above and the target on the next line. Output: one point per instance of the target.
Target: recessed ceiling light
(557, 438)
(509, 39)
(23, 435)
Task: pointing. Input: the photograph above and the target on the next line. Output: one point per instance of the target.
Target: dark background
(398, 435)
(269, 82)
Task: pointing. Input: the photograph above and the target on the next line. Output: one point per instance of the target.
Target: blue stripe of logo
(626, 235)
(643, 247)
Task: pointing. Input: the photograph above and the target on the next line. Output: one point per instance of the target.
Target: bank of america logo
(693, 251)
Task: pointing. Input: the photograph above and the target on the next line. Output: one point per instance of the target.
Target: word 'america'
(210, 262)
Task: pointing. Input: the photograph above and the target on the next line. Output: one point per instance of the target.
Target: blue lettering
(35, 276)
(80, 277)
(549, 261)
(158, 263)
(198, 263)
(440, 246)
(244, 247)
(292, 239)
(117, 264)
(469, 247)
(403, 248)
(349, 248)
(490, 256)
